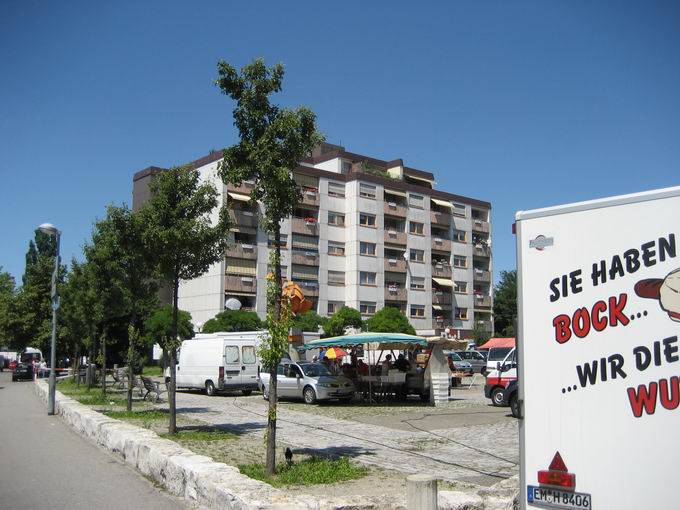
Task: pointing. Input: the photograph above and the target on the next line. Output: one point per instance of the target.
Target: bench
(119, 377)
(152, 388)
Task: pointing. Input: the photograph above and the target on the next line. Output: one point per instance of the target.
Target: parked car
(476, 359)
(511, 398)
(22, 371)
(309, 381)
(456, 364)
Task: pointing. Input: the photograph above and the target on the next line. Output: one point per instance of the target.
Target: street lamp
(51, 230)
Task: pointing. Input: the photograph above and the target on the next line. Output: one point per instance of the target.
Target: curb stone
(211, 484)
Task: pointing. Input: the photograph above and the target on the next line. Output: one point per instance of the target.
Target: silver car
(309, 381)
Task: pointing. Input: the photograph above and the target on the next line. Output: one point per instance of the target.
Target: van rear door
(248, 366)
(232, 365)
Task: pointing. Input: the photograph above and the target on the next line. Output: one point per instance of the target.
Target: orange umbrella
(334, 353)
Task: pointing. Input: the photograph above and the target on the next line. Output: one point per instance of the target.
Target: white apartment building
(367, 234)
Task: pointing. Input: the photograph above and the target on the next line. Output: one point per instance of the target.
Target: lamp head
(49, 229)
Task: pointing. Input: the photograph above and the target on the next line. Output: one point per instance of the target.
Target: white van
(494, 356)
(219, 362)
(498, 379)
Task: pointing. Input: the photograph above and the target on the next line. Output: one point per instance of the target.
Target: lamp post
(51, 230)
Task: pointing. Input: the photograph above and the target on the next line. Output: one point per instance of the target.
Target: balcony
(309, 288)
(440, 218)
(243, 218)
(440, 321)
(439, 244)
(482, 301)
(240, 284)
(242, 251)
(305, 258)
(310, 197)
(393, 293)
(441, 270)
(394, 237)
(395, 209)
(481, 275)
(308, 226)
(480, 226)
(245, 188)
(481, 250)
(396, 264)
(440, 297)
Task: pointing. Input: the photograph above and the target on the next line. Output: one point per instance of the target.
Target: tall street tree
(505, 304)
(272, 141)
(181, 242)
(7, 291)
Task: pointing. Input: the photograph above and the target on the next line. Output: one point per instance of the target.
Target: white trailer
(599, 318)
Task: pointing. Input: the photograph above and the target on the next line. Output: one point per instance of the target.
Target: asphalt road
(44, 464)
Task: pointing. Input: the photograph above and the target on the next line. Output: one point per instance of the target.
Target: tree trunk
(76, 366)
(172, 427)
(93, 348)
(104, 362)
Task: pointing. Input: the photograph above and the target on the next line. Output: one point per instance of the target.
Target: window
(461, 314)
(459, 261)
(305, 243)
(366, 278)
(417, 283)
(334, 306)
(395, 280)
(336, 248)
(336, 189)
(367, 308)
(415, 228)
(307, 182)
(283, 239)
(248, 352)
(418, 311)
(459, 236)
(337, 219)
(415, 201)
(231, 354)
(367, 220)
(366, 190)
(459, 209)
(367, 249)
(460, 287)
(301, 272)
(417, 255)
(241, 266)
(346, 167)
(336, 278)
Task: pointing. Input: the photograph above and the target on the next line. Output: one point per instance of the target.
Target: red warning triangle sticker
(558, 464)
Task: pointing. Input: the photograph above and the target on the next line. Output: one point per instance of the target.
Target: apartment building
(367, 233)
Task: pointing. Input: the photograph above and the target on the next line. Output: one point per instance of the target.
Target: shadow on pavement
(333, 452)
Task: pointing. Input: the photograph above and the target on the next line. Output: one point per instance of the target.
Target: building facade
(367, 234)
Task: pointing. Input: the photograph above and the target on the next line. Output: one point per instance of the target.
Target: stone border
(210, 484)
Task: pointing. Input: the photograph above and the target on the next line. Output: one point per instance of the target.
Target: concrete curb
(217, 485)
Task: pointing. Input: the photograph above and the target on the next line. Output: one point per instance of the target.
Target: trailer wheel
(497, 397)
(514, 405)
(210, 388)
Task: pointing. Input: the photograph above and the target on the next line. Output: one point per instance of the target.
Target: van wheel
(310, 395)
(497, 397)
(210, 388)
(514, 406)
(246, 393)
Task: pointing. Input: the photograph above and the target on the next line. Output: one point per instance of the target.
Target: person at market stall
(402, 364)
(362, 368)
(386, 365)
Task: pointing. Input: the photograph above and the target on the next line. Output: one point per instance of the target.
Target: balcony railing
(395, 209)
(482, 301)
(245, 188)
(305, 226)
(242, 251)
(243, 218)
(244, 284)
(439, 244)
(481, 250)
(440, 218)
(394, 237)
(310, 197)
(395, 293)
(442, 270)
(480, 275)
(306, 258)
(440, 297)
(480, 226)
(396, 264)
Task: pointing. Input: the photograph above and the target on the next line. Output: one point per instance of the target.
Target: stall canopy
(384, 341)
(498, 342)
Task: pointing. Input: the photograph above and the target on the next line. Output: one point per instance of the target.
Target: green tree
(159, 327)
(390, 320)
(308, 321)
(7, 293)
(75, 313)
(272, 141)
(345, 317)
(505, 304)
(480, 334)
(233, 320)
(181, 242)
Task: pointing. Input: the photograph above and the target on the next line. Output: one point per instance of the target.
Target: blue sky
(524, 104)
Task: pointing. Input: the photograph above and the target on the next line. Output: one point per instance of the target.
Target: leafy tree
(346, 316)
(233, 320)
(390, 320)
(480, 334)
(7, 293)
(75, 324)
(308, 321)
(272, 141)
(505, 304)
(158, 326)
(181, 243)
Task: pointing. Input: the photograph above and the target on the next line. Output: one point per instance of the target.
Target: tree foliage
(308, 321)
(343, 318)
(233, 320)
(158, 326)
(390, 320)
(7, 293)
(505, 304)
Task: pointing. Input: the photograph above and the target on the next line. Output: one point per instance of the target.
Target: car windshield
(499, 353)
(314, 369)
(455, 357)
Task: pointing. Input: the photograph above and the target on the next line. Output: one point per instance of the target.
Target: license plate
(556, 498)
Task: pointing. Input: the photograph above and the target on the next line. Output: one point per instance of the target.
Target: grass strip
(187, 436)
(311, 471)
(151, 414)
